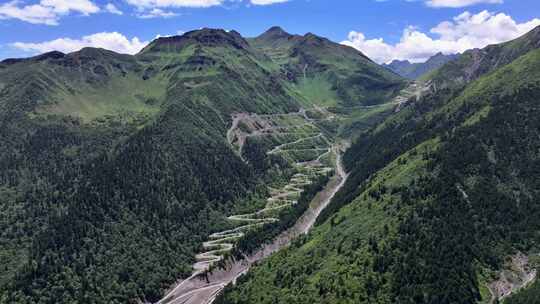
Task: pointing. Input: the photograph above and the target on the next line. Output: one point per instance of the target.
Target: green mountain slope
(326, 72)
(477, 62)
(439, 195)
(114, 169)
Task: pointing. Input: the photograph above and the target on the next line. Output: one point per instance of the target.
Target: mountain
(417, 70)
(477, 62)
(326, 72)
(441, 203)
(114, 169)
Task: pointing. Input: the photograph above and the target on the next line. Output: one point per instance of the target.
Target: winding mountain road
(206, 283)
(223, 241)
(282, 146)
(203, 287)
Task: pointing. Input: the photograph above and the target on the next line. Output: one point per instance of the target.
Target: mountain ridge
(417, 70)
(203, 37)
(334, 71)
(474, 63)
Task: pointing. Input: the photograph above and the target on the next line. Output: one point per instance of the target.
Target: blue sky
(384, 30)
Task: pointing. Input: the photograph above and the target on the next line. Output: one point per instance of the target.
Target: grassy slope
(323, 73)
(435, 239)
(327, 73)
(121, 96)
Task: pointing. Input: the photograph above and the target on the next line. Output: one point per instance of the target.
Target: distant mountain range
(416, 70)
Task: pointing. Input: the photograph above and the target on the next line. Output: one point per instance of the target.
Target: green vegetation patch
(123, 95)
(318, 91)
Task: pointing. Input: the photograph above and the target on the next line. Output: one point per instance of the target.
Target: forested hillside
(114, 169)
(440, 194)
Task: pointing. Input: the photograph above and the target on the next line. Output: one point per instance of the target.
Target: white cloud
(464, 32)
(150, 4)
(157, 13)
(157, 8)
(108, 40)
(459, 3)
(36, 14)
(267, 2)
(85, 7)
(146, 4)
(46, 11)
(111, 8)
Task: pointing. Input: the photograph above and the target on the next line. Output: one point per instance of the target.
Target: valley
(203, 287)
(298, 138)
(401, 229)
